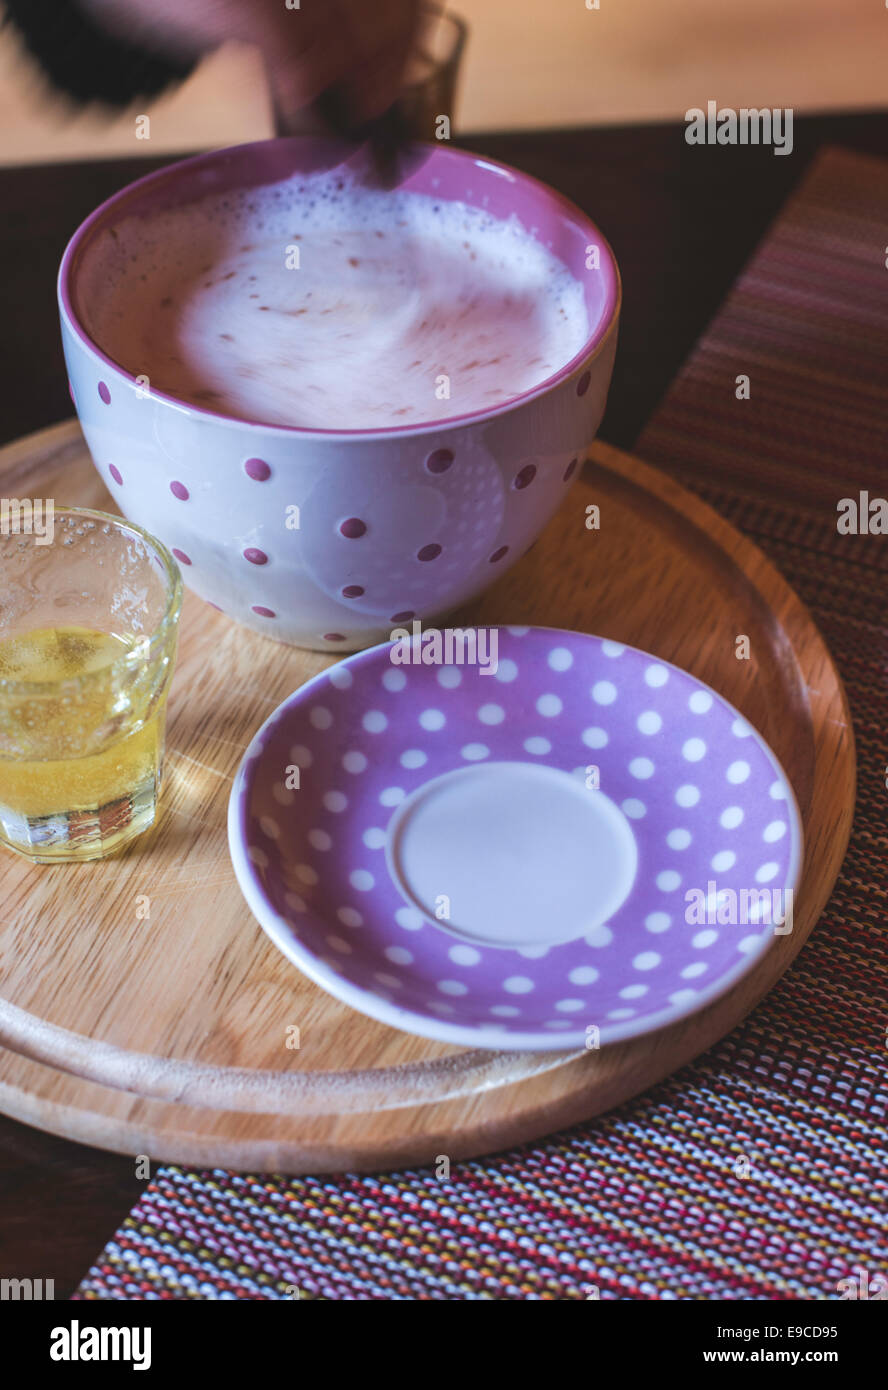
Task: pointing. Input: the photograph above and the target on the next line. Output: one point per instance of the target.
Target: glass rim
(146, 648)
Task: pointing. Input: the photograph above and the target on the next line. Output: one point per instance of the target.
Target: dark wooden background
(682, 221)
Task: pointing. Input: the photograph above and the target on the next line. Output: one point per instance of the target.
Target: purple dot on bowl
(181, 556)
(403, 617)
(570, 469)
(333, 637)
(104, 393)
(429, 552)
(439, 461)
(255, 556)
(524, 477)
(257, 469)
(180, 490)
(583, 383)
(263, 612)
(115, 474)
(498, 554)
(352, 591)
(353, 528)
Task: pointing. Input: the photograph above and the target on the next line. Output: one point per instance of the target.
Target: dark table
(682, 221)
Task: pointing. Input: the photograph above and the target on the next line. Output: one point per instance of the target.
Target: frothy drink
(321, 303)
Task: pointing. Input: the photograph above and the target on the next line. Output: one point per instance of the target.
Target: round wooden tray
(166, 1035)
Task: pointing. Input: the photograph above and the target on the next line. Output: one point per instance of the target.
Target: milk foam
(393, 294)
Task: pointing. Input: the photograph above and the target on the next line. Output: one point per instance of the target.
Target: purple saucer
(581, 846)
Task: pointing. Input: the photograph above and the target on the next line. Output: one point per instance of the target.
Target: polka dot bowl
(578, 846)
(327, 538)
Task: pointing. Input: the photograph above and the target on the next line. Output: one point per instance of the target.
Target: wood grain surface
(167, 1035)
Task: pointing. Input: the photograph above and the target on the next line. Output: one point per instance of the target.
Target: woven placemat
(758, 1172)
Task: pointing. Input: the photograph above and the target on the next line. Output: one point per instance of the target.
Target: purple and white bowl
(394, 522)
(583, 846)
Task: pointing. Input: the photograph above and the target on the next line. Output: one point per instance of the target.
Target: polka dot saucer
(579, 846)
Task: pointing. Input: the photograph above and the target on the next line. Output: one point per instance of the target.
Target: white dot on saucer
(394, 681)
(749, 944)
(517, 984)
(319, 839)
(724, 860)
(649, 722)
(362, 879)
(617, 1014)
(505, 1010)
(294, 901)
(775, 831)
(560, 659)
(682, 997)
(538, 746)
(306, 874)
(354, 761)
(604, 692)
(740, 729)
(506, 670)
(767, 872)
(612, 649)
(320, 717)
(449, 677)
(599, 936)
(730, 818)
(655, 676)
(374, 721)
(633, 808)
(341, 677)
(474, 752)
(414, 757)
(350, 917)
(556, 1023)
(533, 952)
(518, 631)
(642, 768)
(594, 737)
(693, 749)
(700, 702)
(398, 955)
(549, 706)
(491, 714)
(668, 880)
(633, 992)
(464, 955)
(337, 943)
(658, 921)
(569, 1006)
(390, 981)
(703, 939)
(284, 796)
(777, 791)
(374, 838)
(678, 839)
(438, 1006)
(392, 796)
(301, 756)
(269, 826)
(409, 918)
(687, 795)
(452, 987)
(738, 772)
(432, 719)
(583, 975)
(691, 972)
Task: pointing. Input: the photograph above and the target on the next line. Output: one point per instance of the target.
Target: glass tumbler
(89, 611)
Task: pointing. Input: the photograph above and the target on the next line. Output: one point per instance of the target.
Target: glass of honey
(89, 612)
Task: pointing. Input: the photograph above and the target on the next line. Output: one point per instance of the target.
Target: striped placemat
(758, 1172)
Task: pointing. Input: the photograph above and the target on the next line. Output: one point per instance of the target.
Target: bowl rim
(596, 341)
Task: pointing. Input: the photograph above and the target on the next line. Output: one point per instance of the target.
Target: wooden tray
(166, 1036)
